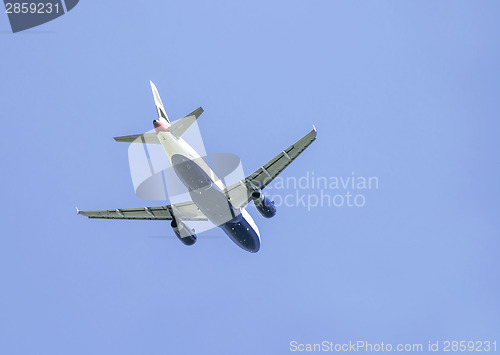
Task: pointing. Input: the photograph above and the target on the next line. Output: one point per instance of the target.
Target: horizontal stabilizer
(148, 138)
(179, 127)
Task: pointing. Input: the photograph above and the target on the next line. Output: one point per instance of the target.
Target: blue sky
(404, 91)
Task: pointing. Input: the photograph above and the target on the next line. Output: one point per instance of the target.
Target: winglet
(77, 210)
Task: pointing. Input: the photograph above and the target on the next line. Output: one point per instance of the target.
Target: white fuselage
(205, 190)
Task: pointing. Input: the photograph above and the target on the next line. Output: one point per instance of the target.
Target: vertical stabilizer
(162, 115)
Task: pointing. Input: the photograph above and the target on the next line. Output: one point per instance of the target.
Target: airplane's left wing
(186, 211)
(239, 193)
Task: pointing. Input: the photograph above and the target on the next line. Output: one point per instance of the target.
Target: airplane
(211, 200)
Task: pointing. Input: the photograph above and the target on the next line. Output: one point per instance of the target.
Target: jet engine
(265, 206)
(185, 235)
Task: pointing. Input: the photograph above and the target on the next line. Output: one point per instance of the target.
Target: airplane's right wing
(186, 211)
(239, 193)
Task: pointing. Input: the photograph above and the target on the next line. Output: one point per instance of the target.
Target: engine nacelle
(183, 232)
(265, 207)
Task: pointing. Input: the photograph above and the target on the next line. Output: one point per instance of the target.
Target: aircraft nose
(255, 248)
(251, 244)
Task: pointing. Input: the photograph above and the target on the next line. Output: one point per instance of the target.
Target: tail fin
(162, 115)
